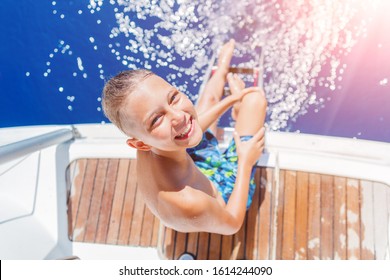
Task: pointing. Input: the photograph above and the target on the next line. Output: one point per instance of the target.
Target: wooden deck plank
(91, 226)
(340, 219)
(147, 228)
(203, 245)
(253, 222)
(106, 202)
(192, 243)
(118, 201)
(127, 212)
(289, 216)
(227, 247)
(85, 201)
(327, 210)
(77, 175)
(265, 213)
(367, 233)
(137, 220)
(169, 243)
(71, 173)
(269, 173)
(314, 217)
(280, 213)
(353, 219)
(215, 247)
(239, 241)
(274, 213)
(301, 217)
(71, 189)
(156, 227)
(180, 244)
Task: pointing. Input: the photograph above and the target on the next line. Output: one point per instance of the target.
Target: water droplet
(80, 64)
(383, 82)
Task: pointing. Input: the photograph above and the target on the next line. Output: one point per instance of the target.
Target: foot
(225, 56)
(236, 85)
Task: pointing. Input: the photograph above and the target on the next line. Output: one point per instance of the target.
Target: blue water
(43, 82)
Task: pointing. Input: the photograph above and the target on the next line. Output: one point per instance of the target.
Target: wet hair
(117, 89)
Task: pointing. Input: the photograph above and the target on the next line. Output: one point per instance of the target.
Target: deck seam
(123, 202)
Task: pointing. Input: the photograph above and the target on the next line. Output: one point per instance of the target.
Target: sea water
(325, 67)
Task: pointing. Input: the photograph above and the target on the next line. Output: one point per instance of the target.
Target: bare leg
(236, 85)
(251, 111)
(213, 91)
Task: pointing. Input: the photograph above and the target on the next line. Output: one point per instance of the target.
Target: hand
(236, 84)
(249, 151)
(237, 87)
(238, 97)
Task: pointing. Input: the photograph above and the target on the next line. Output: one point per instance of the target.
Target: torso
(157, 174)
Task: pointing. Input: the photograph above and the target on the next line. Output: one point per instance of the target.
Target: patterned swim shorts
(220, 167)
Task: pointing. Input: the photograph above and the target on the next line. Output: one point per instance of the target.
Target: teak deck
(294, 215)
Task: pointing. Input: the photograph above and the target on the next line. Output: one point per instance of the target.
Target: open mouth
(185, 134)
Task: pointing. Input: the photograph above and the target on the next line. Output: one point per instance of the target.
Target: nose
(177, 118)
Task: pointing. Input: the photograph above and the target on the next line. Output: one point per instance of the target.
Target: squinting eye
(174, 97)
(155, 120)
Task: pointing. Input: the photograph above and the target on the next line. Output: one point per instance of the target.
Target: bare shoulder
(186, 210)
(191, 210)
(185, 202)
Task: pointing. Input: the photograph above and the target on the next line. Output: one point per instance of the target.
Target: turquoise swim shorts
(220, 167)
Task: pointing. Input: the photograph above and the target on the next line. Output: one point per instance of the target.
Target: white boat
(295, 217)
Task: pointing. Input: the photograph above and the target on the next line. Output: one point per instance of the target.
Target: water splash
(303, 42)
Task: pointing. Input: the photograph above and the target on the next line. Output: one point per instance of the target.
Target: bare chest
(155, 176)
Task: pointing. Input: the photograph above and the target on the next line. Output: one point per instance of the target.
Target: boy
(185, 180)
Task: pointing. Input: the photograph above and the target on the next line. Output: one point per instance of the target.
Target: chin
(196, 138)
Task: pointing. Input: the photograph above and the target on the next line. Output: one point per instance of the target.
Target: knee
(256, 99)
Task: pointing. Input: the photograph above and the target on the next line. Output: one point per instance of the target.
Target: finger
(259, 134)
(261, 143)
(251, 89)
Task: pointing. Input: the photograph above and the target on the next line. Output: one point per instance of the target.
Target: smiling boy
(185, 180)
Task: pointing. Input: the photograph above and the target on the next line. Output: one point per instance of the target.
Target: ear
(138, 144)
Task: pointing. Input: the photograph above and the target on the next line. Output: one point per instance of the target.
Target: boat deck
(294, 215)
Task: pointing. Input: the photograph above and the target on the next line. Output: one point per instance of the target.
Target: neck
(176, 156)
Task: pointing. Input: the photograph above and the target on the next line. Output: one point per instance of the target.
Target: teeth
(186, 131)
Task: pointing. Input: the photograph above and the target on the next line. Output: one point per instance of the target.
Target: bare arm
(210, 116)
(192, 210)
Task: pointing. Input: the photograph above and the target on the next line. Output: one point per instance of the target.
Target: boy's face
(163, 117)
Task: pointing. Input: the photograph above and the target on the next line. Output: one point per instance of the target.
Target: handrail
(24, 147)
